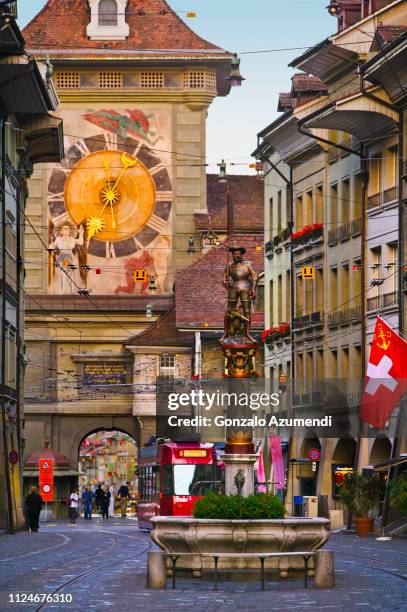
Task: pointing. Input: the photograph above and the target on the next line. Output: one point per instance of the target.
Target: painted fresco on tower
(109, 203)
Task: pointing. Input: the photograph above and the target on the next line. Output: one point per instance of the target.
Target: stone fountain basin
(188, 535)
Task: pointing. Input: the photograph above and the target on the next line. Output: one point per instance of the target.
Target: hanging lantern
(149, 310)
(333, 8)
(222, 176)
(235, 78)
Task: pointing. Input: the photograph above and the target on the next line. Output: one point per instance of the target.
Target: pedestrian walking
(105, 501)
(74, 505)
(33, 505)
(98, 497)
(87, 499)
(124, 496)
(112, 491)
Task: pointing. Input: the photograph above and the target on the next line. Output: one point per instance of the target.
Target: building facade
(341, 145)
(30, 134)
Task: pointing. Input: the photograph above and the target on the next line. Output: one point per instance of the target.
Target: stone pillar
(234, 463)
(324, 569)
(156, 569)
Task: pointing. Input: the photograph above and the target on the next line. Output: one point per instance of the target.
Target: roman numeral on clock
(56, 196)
(156, 223)
(157, 168)
(139, 246)
(82, 147)
(110, 252)
(110, 141)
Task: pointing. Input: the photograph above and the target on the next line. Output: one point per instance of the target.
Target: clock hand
(126, 163)
(113, 219)
(107, 168)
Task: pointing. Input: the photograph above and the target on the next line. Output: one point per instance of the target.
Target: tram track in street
(64, 585)
(63, 563)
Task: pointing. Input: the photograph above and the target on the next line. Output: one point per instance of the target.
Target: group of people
(102, 500)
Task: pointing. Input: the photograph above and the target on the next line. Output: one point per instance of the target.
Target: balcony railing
(382, 301)
(307, 320)
(344, 232)
(344, 317)
(389, 299)
(383, 197)
(356, 227)
(333, 236)
(389, 195)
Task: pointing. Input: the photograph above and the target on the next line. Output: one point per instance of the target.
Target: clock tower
(109, 226)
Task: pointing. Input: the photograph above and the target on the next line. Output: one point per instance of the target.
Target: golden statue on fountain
(239, 347)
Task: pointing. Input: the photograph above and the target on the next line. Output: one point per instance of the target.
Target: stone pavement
(103, 566)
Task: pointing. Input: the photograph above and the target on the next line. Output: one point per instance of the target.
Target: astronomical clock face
(116, 189)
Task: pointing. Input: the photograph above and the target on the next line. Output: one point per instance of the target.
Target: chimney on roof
(108, 20)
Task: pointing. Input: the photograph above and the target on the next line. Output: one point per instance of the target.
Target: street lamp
(235, 78)
(333, 8)
(223, 178)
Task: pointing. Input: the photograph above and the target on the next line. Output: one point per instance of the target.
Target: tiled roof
(284, 102)
(200, 298)
(246, 197)
(306, 83)
(385, 34)
(62, 24)
(163, 333)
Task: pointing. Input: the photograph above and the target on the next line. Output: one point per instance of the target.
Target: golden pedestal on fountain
(238, 367)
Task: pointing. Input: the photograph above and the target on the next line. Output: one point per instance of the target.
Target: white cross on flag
(386, 376)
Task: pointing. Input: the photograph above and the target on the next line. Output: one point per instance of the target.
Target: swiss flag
(386, 376)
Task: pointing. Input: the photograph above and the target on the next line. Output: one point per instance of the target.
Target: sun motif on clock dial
(117, 189)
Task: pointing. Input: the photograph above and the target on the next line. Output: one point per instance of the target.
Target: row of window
(196, 79)
(344, 288)
(344, 198)
(343, 363)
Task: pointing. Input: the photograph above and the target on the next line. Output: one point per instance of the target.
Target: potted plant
(361, 495)
(398, 493)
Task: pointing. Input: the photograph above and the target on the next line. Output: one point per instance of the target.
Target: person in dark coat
(33, 505)
(98, 497)
(87, 498)
(104, 504)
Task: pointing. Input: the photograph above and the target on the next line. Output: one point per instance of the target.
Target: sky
(244, 26)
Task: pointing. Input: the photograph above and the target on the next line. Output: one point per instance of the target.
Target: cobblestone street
(103, 565)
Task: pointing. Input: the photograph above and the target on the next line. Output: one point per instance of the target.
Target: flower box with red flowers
(274, 334)
(307, 233)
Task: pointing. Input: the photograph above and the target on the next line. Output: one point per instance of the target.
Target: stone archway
(345, 451)
(305, 474)
(89, 425)
(380, 450)
(107, 456)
